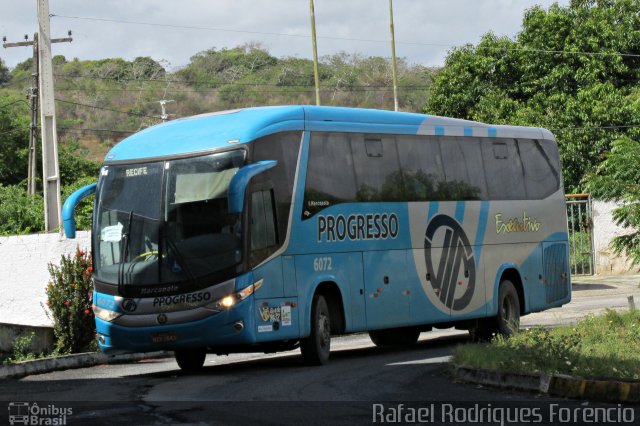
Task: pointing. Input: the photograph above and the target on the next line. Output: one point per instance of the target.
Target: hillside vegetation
(112, 97)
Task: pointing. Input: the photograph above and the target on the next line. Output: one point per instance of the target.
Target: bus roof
(223, 129)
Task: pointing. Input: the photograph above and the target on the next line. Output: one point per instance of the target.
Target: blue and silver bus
(275, 228)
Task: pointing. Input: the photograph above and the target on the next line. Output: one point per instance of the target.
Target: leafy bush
(21, 350)
(69, 295)
(20, 213)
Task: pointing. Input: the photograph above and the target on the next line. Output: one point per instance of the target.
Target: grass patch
(601, 347)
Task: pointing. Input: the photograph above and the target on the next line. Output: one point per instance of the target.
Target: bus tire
(506, 322)
(316, 348)
(190, 359)
(508, 318)
(395, 337)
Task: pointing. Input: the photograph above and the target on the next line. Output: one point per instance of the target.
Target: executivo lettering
(527, 224)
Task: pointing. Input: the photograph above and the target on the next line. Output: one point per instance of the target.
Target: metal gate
(580, 224)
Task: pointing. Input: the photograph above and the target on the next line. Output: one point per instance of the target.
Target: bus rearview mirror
(68, 217)
(240, 180)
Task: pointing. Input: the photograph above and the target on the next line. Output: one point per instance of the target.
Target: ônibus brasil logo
(457, 256)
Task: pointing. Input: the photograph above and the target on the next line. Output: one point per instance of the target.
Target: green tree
(212, 67)
(74, 164)
(617, 179)
(14, 138)
(145, 67)
(5, 75)
(572, 69)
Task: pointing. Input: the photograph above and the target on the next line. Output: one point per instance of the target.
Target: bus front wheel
(190, 359)
(315, 348)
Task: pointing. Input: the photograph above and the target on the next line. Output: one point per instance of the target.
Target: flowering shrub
(69, 295)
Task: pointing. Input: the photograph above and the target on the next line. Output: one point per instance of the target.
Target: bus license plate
(164, 337)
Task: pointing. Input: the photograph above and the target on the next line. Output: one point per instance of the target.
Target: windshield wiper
(124, 251)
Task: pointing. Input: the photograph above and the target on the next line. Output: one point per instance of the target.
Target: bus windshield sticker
(285, 312)
(111, 234)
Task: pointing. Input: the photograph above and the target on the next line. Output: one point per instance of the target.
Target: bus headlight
(105, 314)
(230, 300)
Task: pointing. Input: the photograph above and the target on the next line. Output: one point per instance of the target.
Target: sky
(425, 30)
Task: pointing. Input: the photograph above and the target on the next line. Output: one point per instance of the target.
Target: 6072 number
(322, 264)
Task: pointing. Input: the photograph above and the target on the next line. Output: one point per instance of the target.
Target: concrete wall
(42, 341)
(24, 274)
(604, 230)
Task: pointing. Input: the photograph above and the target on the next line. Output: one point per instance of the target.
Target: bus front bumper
(234, 326)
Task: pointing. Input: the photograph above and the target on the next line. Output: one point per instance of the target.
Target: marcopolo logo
(129, 305)
(444, 234)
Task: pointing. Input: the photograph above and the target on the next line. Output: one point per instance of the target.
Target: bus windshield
(166, 222)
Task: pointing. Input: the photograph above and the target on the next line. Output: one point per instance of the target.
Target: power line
(189, 27)
(155, 80)
(133, 114)
(13, 103)
(283, 91)
(83, 129)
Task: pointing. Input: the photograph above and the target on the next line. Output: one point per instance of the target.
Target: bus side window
(264, 236)
(503, 169)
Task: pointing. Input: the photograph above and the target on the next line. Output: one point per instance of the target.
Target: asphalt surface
(279, 389)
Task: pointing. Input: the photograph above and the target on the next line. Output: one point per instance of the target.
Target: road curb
(555, 384)
(45, 365)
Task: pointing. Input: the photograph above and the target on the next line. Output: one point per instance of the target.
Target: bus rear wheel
(508, 318)
(506, 322)
(190, 359)
(395, 337)
(316, 348)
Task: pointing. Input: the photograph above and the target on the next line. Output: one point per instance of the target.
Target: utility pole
(33, 127)
(50, 169)
(393, 57)
(33, 97)
(315, 52)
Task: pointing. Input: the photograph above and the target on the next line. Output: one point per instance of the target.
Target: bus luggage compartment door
(387, 294)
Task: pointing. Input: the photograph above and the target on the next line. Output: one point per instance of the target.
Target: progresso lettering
(190, 299)
(357, 227)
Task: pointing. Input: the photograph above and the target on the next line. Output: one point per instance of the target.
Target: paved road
(590, 295)
(253, 388)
